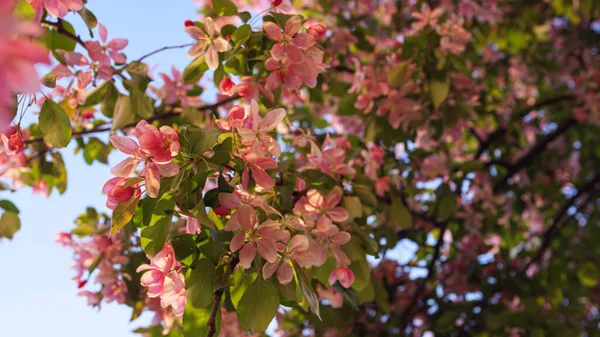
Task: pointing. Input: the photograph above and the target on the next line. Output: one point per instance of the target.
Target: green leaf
(185, 249)
(197, 141)
(109, 103)
(136, 67)
(122, 214)
(588, 274)
(200, 284)
(370, 243)
(365, 193)
(202, 216)
(123, 114)
(258, 306)
(88, 17)
(195, 322)
(9, 225)
(439, 91)
(97, 95)
(224, 7)
(397, 74)
(140, 104)
(242, 32)
(245, 16)
(362, 274)
(55, 124)
(154, 236)
(399, 215)
(194, 71)
(353, 206)
(49, 80)
(8, 206)
(54, 40)
(307, 289)
(446, 206)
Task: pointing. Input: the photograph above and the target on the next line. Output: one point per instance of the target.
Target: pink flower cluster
(156, 149)
(18, 57)
(294, 59)
(164, 280)
(82, 70)
(107, 254)
(56, 8)
(258, 147)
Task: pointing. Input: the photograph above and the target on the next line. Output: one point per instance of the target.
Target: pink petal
(195, 32)
(304, 40)
(247, 255)
(272, 119)
(152, 181)
(272, 30)
(285, 274)
(118, 44)
(124, 144)
(125, 168)
(103, 32)
(338, 214)
(268, 250)
(262, 178)
(237, 242)
(295, 54)
(334, 197)
(278, 51)
(293, 25)
(269, 268)
(212, 58)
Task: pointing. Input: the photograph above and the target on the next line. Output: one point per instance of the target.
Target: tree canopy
(362, 167)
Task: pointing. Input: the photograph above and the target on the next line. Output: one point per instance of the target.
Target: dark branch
(77, 134)
(499, 133)
(212, 320)
(430, 271)
(536, 149)
(163, 49)
(60, 28)
(557, 225)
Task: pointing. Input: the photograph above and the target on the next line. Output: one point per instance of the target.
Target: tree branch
(163, 49)
(77, 134)
(430, 271)
(534, 151)
(212, 320)
(498, 133)
(60, 28)
(556, 227)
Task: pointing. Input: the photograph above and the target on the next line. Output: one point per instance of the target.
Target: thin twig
(60, 28)
(556, 227)
(212, 320)
(163, 49)
(535, 150)
(430, 271)
(103, 128)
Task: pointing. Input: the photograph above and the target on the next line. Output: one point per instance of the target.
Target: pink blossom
(255, 130)
(192, 225)
(18, 57)
(117, 193)
(235, 118)
(382, 186)
(317, 31)
(282, 70)
(334, 298)
(103, 53)
(342, 274)
(316, 204)
(13, 144)
(254, 238)
(289, 42)
(426, 17)
(157, 148)
(56, 8)
(285, 274)
(257, 166)
(208, 42)
(164, 281)
(249, 88)
(227, 87)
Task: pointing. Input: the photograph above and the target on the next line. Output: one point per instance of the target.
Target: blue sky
(37, 295)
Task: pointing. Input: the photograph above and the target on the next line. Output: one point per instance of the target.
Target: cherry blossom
(208, 41)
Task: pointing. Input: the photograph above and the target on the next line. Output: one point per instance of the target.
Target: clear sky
(37, 295)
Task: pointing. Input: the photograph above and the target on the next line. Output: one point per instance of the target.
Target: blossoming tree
(340, 135)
